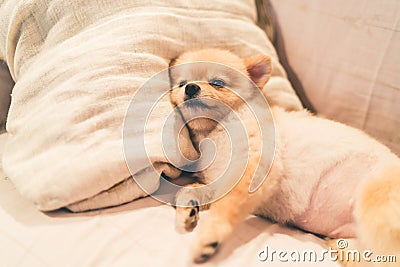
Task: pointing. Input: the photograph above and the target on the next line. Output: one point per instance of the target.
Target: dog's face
(215, 76)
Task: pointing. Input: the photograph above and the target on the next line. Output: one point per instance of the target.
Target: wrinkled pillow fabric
(77, 65)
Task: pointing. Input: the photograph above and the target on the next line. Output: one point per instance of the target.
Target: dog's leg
(188, 206)
(378, 215)
(224, 215)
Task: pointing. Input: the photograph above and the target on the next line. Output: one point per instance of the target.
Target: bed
(36, 227)
(140, 233)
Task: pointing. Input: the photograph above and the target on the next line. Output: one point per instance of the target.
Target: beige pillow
(77, 65)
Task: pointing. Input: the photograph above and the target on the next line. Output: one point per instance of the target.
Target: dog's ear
(259, 69)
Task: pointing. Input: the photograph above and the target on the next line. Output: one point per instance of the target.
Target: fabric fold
(78, 65)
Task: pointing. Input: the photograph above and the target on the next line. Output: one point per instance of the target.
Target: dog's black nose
(192, 89)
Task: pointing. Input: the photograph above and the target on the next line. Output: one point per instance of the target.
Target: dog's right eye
(182, 83)
(217, 83)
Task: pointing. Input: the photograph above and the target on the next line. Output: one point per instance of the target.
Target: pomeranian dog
(326, 178)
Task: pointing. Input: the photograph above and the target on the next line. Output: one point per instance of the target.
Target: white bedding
(140, 233)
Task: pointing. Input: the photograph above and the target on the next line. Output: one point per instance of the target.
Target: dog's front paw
(209, 238)
(203, 251)
(187, 217)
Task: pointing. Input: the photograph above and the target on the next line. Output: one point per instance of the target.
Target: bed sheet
(140, 233)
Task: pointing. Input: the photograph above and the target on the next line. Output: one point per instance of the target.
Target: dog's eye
(182, 83)
(217, 83)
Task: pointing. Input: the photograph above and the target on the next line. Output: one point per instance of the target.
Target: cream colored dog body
(326, 177)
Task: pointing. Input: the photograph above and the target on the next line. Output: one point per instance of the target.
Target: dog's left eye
(217, 83)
